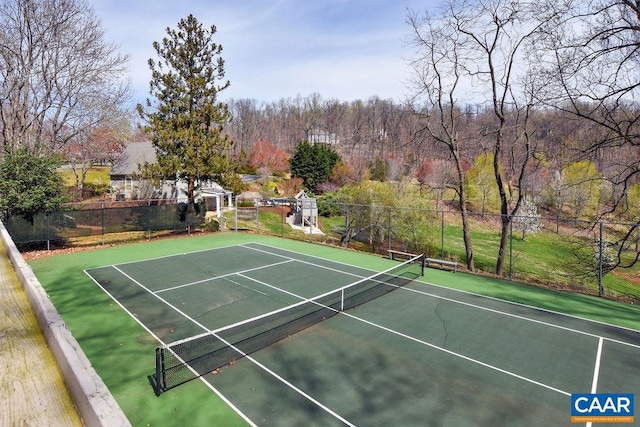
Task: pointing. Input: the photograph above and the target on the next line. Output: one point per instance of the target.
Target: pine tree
(186, 122)
(313, 163)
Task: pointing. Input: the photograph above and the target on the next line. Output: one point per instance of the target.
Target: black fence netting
(66, 225)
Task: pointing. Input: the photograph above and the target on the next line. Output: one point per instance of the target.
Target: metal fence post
(103, 228)
(511, 250)
(600, 258)
(149, 219)
(346, 225)
(48, 233)
(389, 229)
(441, 234)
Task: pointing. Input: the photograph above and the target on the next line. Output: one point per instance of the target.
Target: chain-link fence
(584, 256)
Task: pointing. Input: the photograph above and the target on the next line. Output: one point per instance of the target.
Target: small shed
(304, 213)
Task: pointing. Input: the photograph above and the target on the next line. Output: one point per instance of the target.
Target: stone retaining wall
(95, 403)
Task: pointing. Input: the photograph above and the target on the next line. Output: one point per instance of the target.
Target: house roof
(134, 155)
(211, 188)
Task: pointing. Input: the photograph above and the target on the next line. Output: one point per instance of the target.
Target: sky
(274, 49)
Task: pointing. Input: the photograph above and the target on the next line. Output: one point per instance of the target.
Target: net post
(342, 300)
(160, 383)
(423, 262)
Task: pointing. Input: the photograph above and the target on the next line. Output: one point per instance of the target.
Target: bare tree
(497, 35)
(247, 124)
(437, 70)
(591, 67)
(479, 49)
(443, 177)
(356, 131)
(97, 145)
(59, 78)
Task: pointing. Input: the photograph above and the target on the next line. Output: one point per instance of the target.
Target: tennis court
(420, 355)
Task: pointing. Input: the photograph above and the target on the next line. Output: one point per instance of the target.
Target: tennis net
(187, 359)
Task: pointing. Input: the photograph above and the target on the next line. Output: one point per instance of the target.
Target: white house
(126, 183)
(320, 136)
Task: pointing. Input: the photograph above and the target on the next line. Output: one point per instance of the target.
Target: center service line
(596, 372)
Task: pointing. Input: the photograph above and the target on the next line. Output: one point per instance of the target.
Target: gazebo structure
(215, 197)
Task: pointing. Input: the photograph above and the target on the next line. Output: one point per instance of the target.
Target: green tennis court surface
(421, 355)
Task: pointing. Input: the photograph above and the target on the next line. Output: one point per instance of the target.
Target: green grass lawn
(95, 175)
(545, 258)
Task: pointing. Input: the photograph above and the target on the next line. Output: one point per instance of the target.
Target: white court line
(596, 370)
(314, 264)
(272, 373)
(246, 246)
(222, 276)
(516, 316)
(461, 356)
(453, 290)
(596, 373)
(417, 340)
(504, 313)
(544, 310)
(135, 317)
(243, 245)
(172, 255)
(303, 300)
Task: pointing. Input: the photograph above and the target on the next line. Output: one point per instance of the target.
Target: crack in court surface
(444, 324)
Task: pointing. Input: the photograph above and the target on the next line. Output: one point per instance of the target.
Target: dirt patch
(35, 254)
(632, 277)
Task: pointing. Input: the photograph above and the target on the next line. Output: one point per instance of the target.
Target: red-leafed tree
(267, 158)
(423, 173)
(101, 145)
(110, 142)
(290, 187)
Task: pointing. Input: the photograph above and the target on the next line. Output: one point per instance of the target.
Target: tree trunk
(466, 233)
(466, 236)
(191, 187)
(504, 239)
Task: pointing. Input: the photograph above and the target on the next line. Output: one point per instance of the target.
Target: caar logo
(603, 408)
